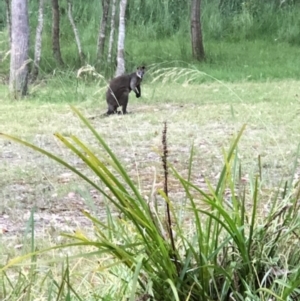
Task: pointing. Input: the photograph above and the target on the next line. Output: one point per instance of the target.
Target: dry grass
(206, 115)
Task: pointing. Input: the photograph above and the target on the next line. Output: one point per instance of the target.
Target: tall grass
(221, 243)
(264, 20)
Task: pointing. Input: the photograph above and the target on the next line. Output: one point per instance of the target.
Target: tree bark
(112, 31)
(196, 31)
(8, 19)
(102, 29)
(75, 30)
(18, 80)
(56, 32)
(38, 41)
(120, 55)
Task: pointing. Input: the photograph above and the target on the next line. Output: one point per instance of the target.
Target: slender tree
(75, 30)
(121, 39)
(196, 31)
(56, 32)
(102, 29)
(112, 30)
(8, 19)
(18, 80)
(38, 41)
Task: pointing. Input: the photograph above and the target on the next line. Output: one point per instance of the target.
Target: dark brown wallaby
(119, 88)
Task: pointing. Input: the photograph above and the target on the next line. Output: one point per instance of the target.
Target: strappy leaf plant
(228, 250)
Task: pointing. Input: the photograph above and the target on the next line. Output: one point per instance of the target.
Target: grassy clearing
(205, 115)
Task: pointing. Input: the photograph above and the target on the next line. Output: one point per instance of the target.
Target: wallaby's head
(140, 71)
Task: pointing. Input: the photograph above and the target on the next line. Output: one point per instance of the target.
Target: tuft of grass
(219, 249)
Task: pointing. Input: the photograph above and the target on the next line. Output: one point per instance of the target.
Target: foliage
(219, 244)
(164, 27)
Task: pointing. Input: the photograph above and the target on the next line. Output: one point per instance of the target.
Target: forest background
(243, 40)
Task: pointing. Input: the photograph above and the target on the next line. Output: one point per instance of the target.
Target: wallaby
(119, 88)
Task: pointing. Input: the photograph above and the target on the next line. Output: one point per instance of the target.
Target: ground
(207, 116)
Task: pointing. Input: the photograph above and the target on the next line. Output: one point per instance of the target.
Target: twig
(168, 213)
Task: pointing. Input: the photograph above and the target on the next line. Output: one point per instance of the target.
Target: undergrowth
(253, 40)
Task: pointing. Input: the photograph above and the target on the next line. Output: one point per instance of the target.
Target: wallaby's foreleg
(138, 91)
(135, 87)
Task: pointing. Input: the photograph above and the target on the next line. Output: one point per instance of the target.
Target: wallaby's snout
(140, 71)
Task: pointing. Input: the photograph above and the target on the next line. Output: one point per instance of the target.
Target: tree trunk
(55, 32)
(18, 79)
(75, 30)
(8, 19)
(102, 30)
(112, 31)
(196, 32)
(120, 55)
(38, 41)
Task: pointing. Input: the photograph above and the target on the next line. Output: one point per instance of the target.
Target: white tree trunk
(112, 31)
(38, 41)
(8, 19)
(19, 48)
(121, 39)
(75, 30)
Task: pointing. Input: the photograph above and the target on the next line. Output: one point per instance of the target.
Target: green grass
(256, 60)
(207, 125)
(205, 115)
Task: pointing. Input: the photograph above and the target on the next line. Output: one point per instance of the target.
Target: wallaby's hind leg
(124, 102)
(111, 109)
